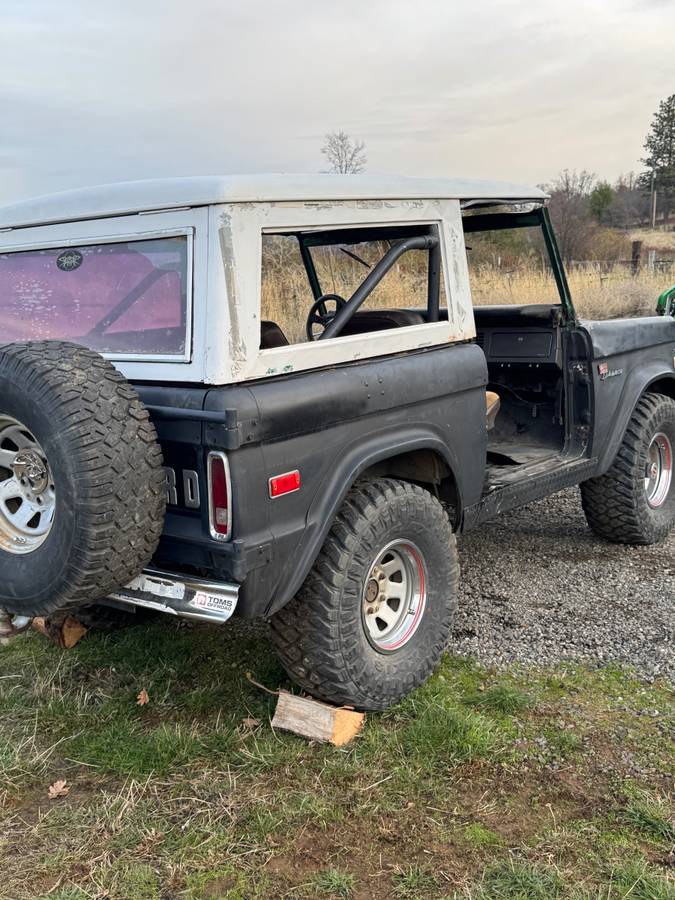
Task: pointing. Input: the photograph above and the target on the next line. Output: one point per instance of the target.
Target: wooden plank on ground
(62, 632)
(315, 720)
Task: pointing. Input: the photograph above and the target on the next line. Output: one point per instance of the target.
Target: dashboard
(516, 345)
(519, 334)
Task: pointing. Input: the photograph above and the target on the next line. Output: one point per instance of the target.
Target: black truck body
(208, 407)
(418, 415)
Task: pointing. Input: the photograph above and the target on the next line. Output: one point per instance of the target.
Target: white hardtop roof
(130, 197)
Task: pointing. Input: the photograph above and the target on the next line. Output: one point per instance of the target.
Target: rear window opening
(127, 298)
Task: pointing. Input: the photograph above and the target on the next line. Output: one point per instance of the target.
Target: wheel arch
(421, 458)
(426, 467)
(665, 385)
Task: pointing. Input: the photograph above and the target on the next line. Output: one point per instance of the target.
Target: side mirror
(665, 305)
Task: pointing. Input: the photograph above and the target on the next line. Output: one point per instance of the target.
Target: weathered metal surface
(173, 193)
(181, 595)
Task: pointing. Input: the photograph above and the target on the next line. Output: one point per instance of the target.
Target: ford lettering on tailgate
(188, 480)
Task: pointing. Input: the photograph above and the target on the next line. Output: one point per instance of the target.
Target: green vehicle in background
(665, 305)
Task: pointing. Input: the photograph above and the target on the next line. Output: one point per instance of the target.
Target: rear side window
(124, 298)
(298, 267)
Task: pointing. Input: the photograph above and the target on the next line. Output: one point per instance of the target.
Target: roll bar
(375, 276)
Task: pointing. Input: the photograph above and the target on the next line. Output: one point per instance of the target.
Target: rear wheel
(634, 502)
(27, 493)
(374, 615)
(82, 489)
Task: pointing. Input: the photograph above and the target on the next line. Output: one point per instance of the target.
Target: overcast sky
(104, 91)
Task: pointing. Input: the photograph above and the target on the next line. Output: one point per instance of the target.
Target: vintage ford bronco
(283, 396)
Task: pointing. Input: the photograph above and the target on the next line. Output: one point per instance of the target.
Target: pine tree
(600, 200)
(660, 149)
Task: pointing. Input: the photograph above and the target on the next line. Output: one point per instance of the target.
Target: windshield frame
(477, 221)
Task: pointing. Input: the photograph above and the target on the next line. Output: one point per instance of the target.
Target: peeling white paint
(275, 217)
(236, 345)
(227, 280)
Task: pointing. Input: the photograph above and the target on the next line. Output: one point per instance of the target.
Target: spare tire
(82, 489)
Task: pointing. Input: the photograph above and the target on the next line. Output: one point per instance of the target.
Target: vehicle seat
(271, 336)
(492, 402)
(381, 319)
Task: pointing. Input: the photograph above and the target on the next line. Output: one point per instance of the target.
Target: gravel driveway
(538, 587)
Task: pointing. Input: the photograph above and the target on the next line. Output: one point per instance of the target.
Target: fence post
(635, 256)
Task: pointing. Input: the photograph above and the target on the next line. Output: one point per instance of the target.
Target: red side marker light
(285, 484)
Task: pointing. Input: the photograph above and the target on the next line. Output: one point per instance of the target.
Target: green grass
(636, 881)
(561, 742)
(414, 882)
(503, 698)
(334, 882)
(651, 816)
(520, 881)
(438, 734)
(480, 784)
(225, 883)
(479, 836)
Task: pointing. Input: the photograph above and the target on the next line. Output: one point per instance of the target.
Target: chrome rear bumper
(181, 595)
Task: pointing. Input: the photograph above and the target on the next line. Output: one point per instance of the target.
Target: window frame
(241, 239)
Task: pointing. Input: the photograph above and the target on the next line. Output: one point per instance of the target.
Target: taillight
(220, 496)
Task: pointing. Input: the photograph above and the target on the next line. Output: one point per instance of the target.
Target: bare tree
(630, 206)
(569, 206)
(345, 156)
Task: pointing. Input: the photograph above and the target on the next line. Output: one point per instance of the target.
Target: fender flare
(638, 383)
(331, 494)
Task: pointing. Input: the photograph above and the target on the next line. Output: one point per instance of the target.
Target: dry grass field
(655, 239)
(598, 292)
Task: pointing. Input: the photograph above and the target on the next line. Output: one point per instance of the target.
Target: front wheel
(634, 502)
(374, 614)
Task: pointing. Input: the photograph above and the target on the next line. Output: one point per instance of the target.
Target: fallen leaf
(58, 789)
(143, 698)
(64, 633)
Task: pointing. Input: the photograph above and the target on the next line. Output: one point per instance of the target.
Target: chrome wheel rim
(658, 470)
(27, 495)
(394, 596)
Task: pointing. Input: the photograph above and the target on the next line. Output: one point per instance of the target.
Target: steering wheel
(323, 319)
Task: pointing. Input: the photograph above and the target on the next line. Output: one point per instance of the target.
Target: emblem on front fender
(605, 372)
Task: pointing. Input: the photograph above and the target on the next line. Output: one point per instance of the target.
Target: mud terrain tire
(102, 468)
(322, 637)
(616, 504)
